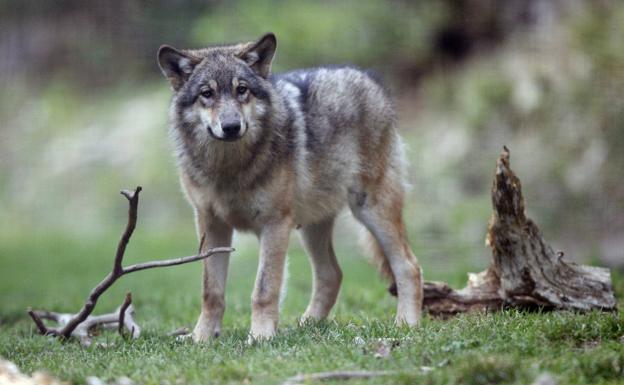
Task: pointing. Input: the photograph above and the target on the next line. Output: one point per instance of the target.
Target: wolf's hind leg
(381, 212)
(327, 276)
(217, 234)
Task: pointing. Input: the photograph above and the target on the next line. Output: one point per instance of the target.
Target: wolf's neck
(234, 165)
(246, 162)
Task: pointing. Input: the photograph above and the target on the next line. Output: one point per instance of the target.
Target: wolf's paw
(412, 320)
(205, 331)
(254, 339)
(259, 334)
(204, 335)
(310, 318)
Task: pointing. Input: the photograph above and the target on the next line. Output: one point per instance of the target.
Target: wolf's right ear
(176, 65)
(259, 54)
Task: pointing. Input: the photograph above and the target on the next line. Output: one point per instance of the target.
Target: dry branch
(525, 271)
(83, 330)
(122, 315)
(183, 331)
(76, 324)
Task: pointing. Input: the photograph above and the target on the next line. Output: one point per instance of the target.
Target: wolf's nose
(231, 129)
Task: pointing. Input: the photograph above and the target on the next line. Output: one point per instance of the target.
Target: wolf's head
(219, 92)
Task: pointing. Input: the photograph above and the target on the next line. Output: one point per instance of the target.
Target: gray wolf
(270, 153)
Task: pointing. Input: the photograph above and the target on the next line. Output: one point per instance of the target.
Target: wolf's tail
(373, 248)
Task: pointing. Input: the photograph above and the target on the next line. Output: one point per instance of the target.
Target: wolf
(268, 153)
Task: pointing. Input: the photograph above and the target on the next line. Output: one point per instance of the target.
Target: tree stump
(525, 271)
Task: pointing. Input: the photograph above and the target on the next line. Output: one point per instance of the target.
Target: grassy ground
(46, 271)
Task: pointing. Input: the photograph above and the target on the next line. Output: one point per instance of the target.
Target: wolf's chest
(241, 211)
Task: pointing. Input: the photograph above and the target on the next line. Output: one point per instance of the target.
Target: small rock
(104, 345)
(124, 381)
(10, 374)
(444, 362)
(384, 347)
(545, 379)
(92, 380)
(382, 351)
(184, 337)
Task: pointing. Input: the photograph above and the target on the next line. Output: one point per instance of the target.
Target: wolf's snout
(231, 125)
(231, 130)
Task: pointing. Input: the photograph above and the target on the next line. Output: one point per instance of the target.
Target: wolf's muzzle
(230, 133)
(231, 130)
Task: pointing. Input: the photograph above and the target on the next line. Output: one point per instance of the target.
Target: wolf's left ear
(177, 66)
(259, 55)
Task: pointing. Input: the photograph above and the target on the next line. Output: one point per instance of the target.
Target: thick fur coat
(269, 153)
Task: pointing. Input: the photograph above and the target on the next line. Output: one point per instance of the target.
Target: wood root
(525, 270)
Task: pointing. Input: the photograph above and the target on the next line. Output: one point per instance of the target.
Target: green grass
(511, 347)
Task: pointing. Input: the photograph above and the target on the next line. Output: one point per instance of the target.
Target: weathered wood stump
(525, 270)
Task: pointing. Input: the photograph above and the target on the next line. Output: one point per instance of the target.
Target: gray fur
(312, 141)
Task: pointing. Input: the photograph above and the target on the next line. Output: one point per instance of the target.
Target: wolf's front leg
(265, 298)
(217, 234)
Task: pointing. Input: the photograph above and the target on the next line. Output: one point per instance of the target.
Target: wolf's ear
(259, 55)
(175, 65)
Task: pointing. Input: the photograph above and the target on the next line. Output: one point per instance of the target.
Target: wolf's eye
(207, 93)
(241, 89)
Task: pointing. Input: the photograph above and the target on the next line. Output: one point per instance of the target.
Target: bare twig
(179, 332)
(63, 318)
(337, 375)
(175, 261)
(37, 320)
(130, 324)
(82, 331)
(201, 243)
(71, 324)
(133, 199)
(122, 313)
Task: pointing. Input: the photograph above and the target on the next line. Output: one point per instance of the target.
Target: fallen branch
(83, 331)
(72, 324)
(179, 332)
(122, 316)
(337, 375)
(525, 271)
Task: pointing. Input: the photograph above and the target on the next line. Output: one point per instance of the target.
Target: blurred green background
(83, 113)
